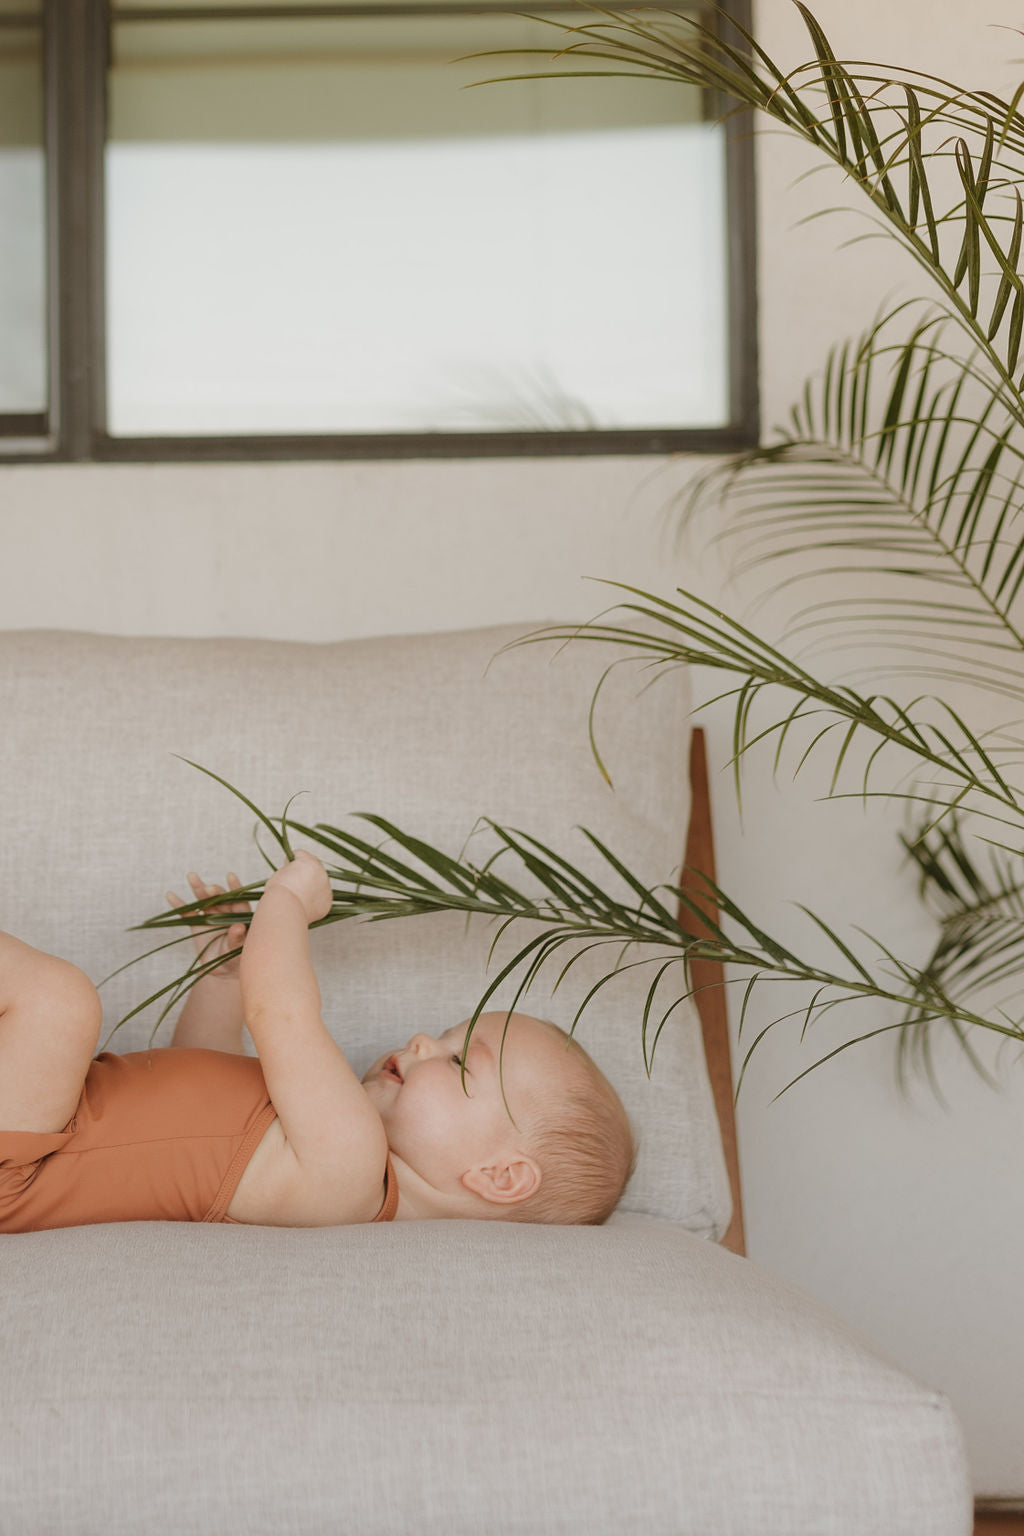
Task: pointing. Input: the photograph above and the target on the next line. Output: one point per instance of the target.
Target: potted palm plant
(904, 463)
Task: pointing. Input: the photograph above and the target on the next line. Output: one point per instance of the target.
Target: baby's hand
(209, 943)
(306, 878)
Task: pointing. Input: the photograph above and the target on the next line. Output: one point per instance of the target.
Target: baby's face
(442, 1129)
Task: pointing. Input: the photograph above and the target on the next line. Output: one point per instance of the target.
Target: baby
(198, 1131)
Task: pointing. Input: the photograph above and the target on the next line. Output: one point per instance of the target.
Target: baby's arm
(212, 1017)
(325, 1113)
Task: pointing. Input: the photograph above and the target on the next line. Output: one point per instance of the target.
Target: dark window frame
(76, 55)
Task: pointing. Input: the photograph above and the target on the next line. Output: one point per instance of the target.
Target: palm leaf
(566, 907)
(887, 475)
(980, 943)
(900, 473)
(883, 127)
(695, 633)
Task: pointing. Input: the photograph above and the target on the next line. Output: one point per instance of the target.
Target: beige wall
(908, 1219)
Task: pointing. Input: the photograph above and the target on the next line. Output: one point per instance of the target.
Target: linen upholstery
(101, 818)
(450, 1377)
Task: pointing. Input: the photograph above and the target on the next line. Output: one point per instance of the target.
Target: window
(287, 231)
(23, 325)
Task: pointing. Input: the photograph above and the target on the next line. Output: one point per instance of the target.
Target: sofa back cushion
(431, 731)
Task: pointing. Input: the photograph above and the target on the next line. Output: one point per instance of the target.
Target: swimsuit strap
(390, 1206)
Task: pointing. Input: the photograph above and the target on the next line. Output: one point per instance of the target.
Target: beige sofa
(159, 1379)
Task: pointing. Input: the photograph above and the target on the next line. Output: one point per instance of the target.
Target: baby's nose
(421, 1043)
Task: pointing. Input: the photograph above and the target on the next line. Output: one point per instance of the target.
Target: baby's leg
(50, 1019)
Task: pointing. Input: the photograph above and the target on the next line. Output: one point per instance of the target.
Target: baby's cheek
(427, 1122)
(431, 1116)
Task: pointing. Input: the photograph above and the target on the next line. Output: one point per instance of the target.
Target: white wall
(906, 1218)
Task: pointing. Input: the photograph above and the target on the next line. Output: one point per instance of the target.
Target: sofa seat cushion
(452, 1377)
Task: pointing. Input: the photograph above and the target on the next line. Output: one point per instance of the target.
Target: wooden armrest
(708, 978)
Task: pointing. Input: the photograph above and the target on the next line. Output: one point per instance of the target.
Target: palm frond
(980, 943)
(898, 466)
(882, 125)
(566, 908)
(693, 632)
(900, 472)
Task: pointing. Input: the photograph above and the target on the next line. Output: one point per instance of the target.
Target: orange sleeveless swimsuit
(161, 1135)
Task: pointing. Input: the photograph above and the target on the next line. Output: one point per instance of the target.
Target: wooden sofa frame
(708, 980)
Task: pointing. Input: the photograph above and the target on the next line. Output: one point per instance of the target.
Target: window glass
(313, 228)
(23, 357)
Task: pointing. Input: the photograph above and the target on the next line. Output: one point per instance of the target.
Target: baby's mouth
(390, 1069)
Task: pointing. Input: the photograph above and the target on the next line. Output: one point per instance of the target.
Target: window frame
(76, 51)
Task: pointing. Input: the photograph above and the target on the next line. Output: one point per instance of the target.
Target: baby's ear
(506, 1183)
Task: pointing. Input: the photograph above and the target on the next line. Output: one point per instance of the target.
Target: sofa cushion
(448, 1377)
(432, 731)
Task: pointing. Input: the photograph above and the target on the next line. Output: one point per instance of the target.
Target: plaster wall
(906, 1217)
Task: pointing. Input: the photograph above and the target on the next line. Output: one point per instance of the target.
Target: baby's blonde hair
(583, 1140)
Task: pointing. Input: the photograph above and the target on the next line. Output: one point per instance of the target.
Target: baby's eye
(457, 1059)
